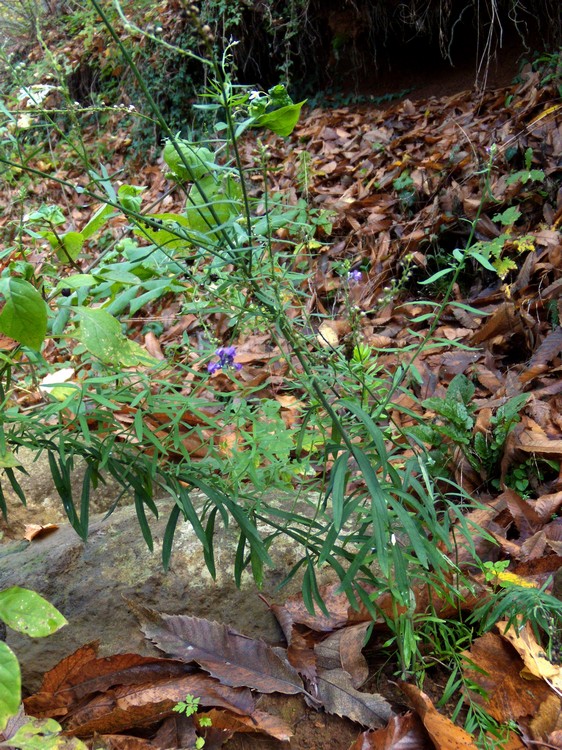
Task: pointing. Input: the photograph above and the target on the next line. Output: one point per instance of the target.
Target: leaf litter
(398, 182)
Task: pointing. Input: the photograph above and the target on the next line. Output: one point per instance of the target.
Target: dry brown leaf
(536, 441)
(524, 515)
(338, 696)
(401, 733)
(504, 320)
(258, 721)
(343, 650)
(327, 336)
(444, 734)
(153, 347)
(37, 531)
(231, 657)
(532, 653)
(547, 718)
(533, 547)
(130, 706)
(547, 351)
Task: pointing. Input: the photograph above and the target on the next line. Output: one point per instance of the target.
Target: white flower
(35, 94)
(24, 121)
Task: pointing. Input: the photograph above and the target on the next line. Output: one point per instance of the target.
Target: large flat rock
(86, 581)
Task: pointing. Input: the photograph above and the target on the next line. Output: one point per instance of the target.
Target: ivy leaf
(24, 315)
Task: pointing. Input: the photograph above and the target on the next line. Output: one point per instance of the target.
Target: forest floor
(399, 182)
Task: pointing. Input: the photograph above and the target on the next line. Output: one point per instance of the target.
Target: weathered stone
(87, 582)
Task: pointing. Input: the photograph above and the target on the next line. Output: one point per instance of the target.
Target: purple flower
(226, 356)
(354, 277)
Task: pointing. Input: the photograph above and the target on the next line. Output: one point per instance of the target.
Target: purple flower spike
(226, 359)
(354, 277)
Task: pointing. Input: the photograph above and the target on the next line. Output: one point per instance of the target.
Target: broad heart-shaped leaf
(10, 684)
(166, 237)
(227, 655)
(281, 121)
(101, 334)
(27, 612)
(24, 315)
(222, 192)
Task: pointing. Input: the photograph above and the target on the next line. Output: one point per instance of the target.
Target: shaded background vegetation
(322, 50)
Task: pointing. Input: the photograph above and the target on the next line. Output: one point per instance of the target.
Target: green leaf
(47, 214)
(223, 194)
(437, 275)
(482, 260)
(165, 237)
(101, 334)
(503, 266)
(8, 460)
(200, 161)
(282, 121)
(461, 389)
(338, 481)
(10, 684)
(43, 734)
(169, 536)
(27, 612)
(130, 197)
(97, 221)
(72, 244)
(24, 315)
(76, 281)
(507, 217)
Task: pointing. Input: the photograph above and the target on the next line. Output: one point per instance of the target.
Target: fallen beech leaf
(401, 733)
(300, 646)
(532, 441)
(258, 721)
(547, 351)
(82, 674)
(497, 670)
(524, 642)
(547, 718)
(231, 657)
(37, 531)
(526, 518)
(127, 742)
(131, 706)
(342, 650)
(548, 505)
(338, 696)
(176, 731)
(327, 336)
(153, 346)
(505, 320)
(533, 547)
(444, 734)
